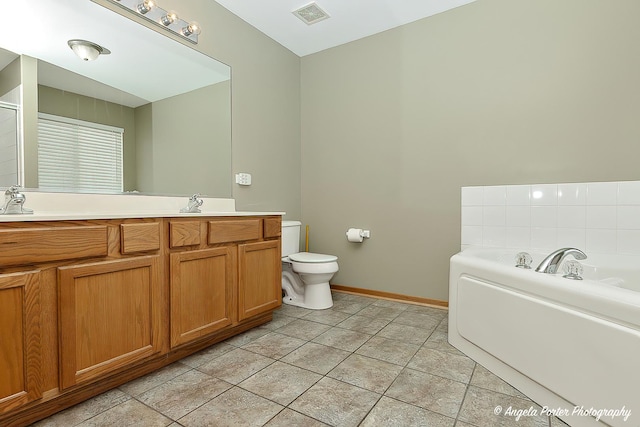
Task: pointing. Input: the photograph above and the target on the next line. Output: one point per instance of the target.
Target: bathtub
(572, 346)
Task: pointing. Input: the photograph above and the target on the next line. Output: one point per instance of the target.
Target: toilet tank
(290, 237)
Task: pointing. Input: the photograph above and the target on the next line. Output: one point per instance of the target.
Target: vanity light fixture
(169, 20)
(86, 50)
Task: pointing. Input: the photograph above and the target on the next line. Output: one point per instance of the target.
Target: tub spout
(551, 263)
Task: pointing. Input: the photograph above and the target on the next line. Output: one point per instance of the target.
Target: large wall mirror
(172, 102)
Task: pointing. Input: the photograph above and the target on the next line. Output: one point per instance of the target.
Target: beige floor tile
(391, 304)
(129, 413)
(85, 410)
(274, 345)
(235, 366)
(388, 350)
(316, 357)
(280, 382)
(246, 337)
(335, 403)
(426, 322)
(293, 311)
(479, 409)
(290, 418)
(184, 393)
(380, 312)
(439, 313)
(363, 324)
(207, 354)
(393, 413)
(405, 333)
(427, 391)
(484, 378)
(349, 306)
(328, 317)
(154, 379)
(365, 372)
(279, 320)
(303, 329)
(438, 341)
(233, 408)
(344, 339)
(448, 365)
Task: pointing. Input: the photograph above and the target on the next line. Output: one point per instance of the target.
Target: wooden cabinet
(259, 278)
(201, 287)
(109, 316)
(20, 350)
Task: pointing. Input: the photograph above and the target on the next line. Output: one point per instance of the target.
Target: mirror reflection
(170, 105)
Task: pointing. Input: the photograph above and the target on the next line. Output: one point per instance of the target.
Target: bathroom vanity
(89, 304)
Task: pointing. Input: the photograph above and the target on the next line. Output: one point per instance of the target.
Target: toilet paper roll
(355, 235)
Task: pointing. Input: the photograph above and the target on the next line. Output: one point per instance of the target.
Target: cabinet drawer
(33, 245)
(184, 233)
(272, 227)
(234, 231)
(139, 237)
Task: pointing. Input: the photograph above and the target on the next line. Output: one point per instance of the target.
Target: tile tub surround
(319, 368)
(597, 217)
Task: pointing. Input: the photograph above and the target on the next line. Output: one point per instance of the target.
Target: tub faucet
(14, 202)
(551, 263)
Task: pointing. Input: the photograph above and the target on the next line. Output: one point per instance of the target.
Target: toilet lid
(311, 257)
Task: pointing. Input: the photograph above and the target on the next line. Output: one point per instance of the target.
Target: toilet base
(315, 297)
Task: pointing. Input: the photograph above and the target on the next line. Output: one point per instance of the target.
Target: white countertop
(68, 206)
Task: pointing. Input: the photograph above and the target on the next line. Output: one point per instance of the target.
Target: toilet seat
(309, 257)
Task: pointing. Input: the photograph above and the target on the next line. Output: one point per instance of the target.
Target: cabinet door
(109, 315)
(259, 278)
(20, 351)
(201, 293)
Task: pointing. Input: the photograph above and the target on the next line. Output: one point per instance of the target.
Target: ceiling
(349, 19)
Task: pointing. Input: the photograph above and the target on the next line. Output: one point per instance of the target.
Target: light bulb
(192, 28)
(146, 6)
(169, 18)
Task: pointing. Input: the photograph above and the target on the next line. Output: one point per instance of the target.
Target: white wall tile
(601, 241)
(493, 216)
(572, 194)
(472, 196)
(471, 215)
(572, 217)
(629, 193)
(518, 195)
(629, 242)
(495, 195)
(601, 217)
(602, 193)
(518, 216)
(544, 216)
(471, 235)
(519, 237)
(544, 195)
(494, 237)
(572, 238)
(544, 238)
(628, 217)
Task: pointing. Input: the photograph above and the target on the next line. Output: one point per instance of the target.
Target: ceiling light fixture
(86, 50)
(152, 12)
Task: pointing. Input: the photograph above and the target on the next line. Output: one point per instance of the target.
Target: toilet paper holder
(357, 235)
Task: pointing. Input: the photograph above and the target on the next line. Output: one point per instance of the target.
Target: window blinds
(75, 155)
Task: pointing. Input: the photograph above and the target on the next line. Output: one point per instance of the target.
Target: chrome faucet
(14, 202)
(551, 263)
(193, 206)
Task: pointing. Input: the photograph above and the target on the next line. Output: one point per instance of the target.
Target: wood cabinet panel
(272, 227)
(259, 278)
(201, 293)
(33, 245)
(234, 230)
(184, 233)
(20, 343)
(110, 316)
(139, 237)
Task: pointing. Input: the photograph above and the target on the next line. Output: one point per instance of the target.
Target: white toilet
(305, 275)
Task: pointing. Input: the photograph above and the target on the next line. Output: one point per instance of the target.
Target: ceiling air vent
(311, 13)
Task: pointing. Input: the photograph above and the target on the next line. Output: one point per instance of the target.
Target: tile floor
(364, 362)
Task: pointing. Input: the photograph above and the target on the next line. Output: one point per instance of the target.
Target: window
(75, 155)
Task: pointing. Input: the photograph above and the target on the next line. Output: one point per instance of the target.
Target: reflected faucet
(193, 206)
(14, 202)
(551, 263)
